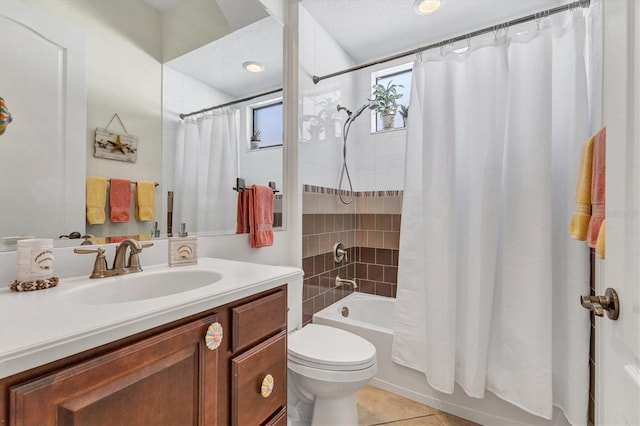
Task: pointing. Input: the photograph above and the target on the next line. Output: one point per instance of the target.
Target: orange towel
(119, 200)
(261, 216)
(242, 216)
(597, 187)
(582, 213)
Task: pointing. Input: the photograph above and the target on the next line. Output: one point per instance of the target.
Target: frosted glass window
(268, 120)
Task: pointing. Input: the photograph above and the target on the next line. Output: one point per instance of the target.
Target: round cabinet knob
(214, 336)
(267, 386)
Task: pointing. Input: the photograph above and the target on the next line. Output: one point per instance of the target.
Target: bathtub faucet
(340, 281)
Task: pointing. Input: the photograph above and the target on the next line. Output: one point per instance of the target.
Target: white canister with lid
(35, 259)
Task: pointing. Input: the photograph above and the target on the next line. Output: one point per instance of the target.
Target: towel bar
(133, 182)
(240, 186)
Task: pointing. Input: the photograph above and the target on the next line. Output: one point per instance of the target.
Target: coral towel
(242, 217)
(145, 200)
(582, 214)
(119, 200)
(261, 216)
(597, 187)
(96, 199)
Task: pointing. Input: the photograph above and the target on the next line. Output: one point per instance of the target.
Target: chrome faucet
(100, 268)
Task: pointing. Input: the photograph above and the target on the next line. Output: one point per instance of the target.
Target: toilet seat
(328, 348)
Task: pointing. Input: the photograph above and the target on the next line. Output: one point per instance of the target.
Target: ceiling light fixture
(424, 7)
(253, 66)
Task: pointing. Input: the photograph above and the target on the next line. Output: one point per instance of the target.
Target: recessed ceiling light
(424, 7)
(253, 66)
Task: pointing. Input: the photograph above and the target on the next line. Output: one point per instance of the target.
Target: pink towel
(261, 216)
(119, 199)
(597, 187)
(242, 216)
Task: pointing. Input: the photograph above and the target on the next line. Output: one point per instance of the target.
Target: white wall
(375, 160)
(321, 130)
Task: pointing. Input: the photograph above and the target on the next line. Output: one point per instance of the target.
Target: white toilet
(326, 367)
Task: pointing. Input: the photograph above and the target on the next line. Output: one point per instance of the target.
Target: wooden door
(170, 378)
(42, 152)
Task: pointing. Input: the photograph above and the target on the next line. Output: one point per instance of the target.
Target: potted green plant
(255, 139)
(387, 99)
(404, 113)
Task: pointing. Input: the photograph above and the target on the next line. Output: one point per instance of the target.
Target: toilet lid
(321, 346)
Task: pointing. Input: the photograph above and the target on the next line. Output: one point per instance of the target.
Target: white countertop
(41, 326)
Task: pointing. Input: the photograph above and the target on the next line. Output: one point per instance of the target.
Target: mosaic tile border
(332, 191)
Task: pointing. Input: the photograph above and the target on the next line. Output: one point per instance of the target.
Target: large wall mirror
(148, 61)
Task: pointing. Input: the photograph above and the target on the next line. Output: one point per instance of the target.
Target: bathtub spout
(340, 281)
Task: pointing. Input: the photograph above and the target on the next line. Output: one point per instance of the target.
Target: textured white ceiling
(219, 64)
(372, 29)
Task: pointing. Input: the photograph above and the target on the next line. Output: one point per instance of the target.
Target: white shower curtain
(205, 169)
(488, 279)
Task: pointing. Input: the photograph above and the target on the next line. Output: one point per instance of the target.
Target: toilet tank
(294, 301)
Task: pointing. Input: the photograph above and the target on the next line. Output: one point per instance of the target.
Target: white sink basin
(141, 286)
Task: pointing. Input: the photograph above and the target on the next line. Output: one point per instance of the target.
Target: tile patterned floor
(378, 407)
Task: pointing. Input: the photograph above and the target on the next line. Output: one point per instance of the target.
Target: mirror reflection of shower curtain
(488, 278)
(206, 166)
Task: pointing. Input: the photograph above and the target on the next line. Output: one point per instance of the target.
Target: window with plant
(392, 86)
(267, 126)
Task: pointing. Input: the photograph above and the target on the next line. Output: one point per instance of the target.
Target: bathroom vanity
(149, 361)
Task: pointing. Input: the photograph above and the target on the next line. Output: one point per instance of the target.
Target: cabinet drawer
(249, 406)
(279, 419)
(256, 320)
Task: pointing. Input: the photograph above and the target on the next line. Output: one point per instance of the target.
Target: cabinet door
(166, 379)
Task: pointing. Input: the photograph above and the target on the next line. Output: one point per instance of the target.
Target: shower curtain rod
(183, 116)
(507, 24)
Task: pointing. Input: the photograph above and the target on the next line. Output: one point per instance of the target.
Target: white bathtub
(371, 317)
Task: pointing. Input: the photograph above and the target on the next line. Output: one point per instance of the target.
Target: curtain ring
(442, 49)
(419, 55)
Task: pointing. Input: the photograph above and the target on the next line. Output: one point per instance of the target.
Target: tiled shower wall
(369, 228)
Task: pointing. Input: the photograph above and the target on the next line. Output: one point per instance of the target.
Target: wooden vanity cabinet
(166, 379)
(166, 376)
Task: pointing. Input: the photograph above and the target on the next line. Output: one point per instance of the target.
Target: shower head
(370, 105)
